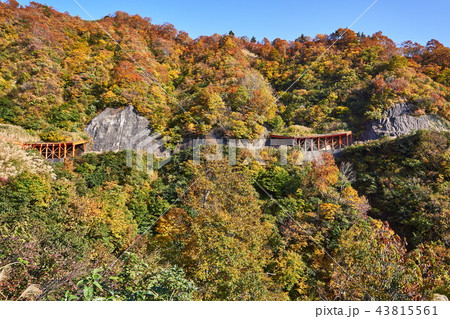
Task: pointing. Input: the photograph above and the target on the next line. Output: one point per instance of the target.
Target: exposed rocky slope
(122, 129)
(399, 121)
(117, 129)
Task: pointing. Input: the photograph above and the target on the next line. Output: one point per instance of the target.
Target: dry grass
(14, 160)
(5, 273)
(31, 293)
(76, 136)
(248, 53)
(11, 133)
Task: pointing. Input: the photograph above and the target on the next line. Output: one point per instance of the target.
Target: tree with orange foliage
(325, 173)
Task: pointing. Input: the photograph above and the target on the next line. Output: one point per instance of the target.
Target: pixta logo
(143, 148)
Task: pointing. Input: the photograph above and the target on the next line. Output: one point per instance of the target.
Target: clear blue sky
(416, 20)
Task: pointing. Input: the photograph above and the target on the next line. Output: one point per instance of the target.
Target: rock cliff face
(122, 129)
(399, 121)
(117, 129)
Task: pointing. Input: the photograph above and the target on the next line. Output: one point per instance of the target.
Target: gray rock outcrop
(117, 129)
(398, 121)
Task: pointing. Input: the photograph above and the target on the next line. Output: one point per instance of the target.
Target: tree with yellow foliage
(219, 236)
(373, 265)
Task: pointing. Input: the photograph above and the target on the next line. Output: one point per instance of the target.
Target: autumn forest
(370, 224)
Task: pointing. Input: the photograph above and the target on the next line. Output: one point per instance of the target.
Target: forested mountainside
(90, 228)
(57, 72)
(373, 226)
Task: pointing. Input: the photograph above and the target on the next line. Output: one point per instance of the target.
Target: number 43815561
(407, 310)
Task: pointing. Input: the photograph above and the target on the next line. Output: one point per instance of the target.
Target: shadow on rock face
(117, 129)
(398, 121)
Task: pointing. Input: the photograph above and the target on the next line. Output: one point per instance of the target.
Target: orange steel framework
(58, 149)
(320, 142)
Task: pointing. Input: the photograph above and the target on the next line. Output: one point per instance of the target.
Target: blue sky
(416, 20)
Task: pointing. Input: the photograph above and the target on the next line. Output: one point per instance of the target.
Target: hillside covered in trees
(370, 225)
(57, 72)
